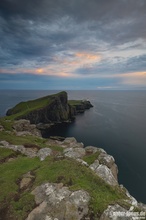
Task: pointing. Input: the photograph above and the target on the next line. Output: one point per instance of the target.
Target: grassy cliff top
(23, 108)
(14, 165)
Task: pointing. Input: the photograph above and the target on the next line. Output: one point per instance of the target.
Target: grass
(75, 102)
(91, 157)
(18, 140)
(10, 198)
(23, 108)
(7, 124)
(52, 170)
(6, 153)
(79, 177)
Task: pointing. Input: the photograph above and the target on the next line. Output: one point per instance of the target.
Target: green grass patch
(77, 177)
(17, 205)
(10, 172)
(22, 206)
(57, 148)
(13, 139)
(6, 153)
(75, 102)
(7, 124)
(91, 157)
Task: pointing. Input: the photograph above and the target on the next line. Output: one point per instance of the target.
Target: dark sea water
(117, 123)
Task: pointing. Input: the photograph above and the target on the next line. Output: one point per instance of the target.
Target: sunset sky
(73, 44)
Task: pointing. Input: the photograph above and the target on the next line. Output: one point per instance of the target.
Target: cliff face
(54, 108)
(56, 111)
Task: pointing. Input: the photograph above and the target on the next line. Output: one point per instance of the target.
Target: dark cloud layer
(56, 35)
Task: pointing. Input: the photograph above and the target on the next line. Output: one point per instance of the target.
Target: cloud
(73, 39)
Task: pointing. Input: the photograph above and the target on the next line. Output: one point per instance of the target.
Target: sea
(116, 123)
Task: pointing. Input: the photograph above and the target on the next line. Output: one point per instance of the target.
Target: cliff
(62, 180)
(53, 108)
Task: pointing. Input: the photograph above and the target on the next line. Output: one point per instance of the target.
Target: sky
(73, 44)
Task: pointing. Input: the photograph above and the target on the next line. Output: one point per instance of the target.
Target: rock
(57, 138)
(82, 106)
(23, 128)
(74, 152)
(91, 150)
(43, 153)
(4, 144)
(106, 159)
(94, 165)
(105, 173)
(131, 199)
(57, 202)
(31, 152)
(82, 162)
(25, 182)
(72, 143)
(113, 212)
(69, 140)
(109, 161)
(23, 133)
(114, 170)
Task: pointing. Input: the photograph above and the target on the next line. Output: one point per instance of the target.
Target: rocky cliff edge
(53, 179)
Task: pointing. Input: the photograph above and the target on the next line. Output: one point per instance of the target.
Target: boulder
(104, 172)
(74, 152)
(109, 161)
(106, 159)
(57, 202)
(72, 143)
(94, 165)
(91, 150)
(43, 153)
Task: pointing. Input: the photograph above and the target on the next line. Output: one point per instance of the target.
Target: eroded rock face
(109, 161)
(104, 172)
(57, 202)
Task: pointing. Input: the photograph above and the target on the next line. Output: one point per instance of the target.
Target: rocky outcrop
(56, 201)
(29, 151)
(23, 127)
(80, 108)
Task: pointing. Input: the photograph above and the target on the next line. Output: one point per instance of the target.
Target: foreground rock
(23, 127)
(57, 202)
(28, 151)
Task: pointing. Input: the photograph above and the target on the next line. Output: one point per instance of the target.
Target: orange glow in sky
(40, 70)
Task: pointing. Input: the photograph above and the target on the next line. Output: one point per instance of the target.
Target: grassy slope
(24, 108)
(79, 177)
(52, 170)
